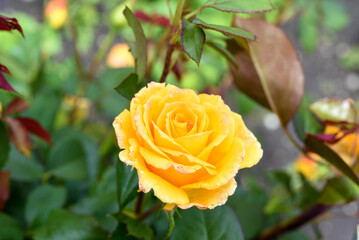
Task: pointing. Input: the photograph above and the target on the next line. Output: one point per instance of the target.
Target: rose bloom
(186, 147)
(345, 148)
(56, 13)
(120, 56)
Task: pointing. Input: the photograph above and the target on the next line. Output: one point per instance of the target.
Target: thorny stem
(175, 22)
(166, 69)
(293, 223)
(139, 203)
(149, 212)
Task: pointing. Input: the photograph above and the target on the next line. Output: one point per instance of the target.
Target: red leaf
(4, 188)
(35, 128)
(19, 135)
(3, 82)
(269, 70)
(15, 106)
(155, 19)
(9, 24)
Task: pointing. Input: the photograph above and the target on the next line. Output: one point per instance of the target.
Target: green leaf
(67, 160)
(232, 31)
(99, 205)
(330, 109)
(141, 43)
(10, 228)
(274, 78)
(339, 190)
(129, 86)
(308, 28)
(218, 224)
(42, 201)
(127, 184)
(192, 40)
(4, 144)
(318, 147)
(248, 205)
(23, 168)
(121, 233)
(336, 16)
(138, 229)
(304, 120)
(65, 225)
(224, 52)
(242, 6)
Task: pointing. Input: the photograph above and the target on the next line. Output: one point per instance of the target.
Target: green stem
(172, 224)
(105, 46)
(177, 18)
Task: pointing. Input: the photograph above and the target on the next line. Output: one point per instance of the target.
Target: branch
(293, 223)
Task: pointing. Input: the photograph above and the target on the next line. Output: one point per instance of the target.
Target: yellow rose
(186, 147)
(120, 56)
(56, 13)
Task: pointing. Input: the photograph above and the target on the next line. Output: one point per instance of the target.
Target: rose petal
(253, 148)
(186, 159)
(194, 143)
(203, 198)
(123, 128)
(163, 163)
(227, 167)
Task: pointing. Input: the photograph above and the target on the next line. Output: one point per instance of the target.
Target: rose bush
(186, 147)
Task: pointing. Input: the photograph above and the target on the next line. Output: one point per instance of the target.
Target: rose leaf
(62, 224)
(243, 6)
(339, 190)
(318, 147)
(304, 121)
(4, 144)
(231, 31)
(10, 228)
(330, 109)
(42, 201)
(15, 106)
(127, 184)
(269, 71)
(192, 40)
(220, 223)
(129, 86)
(35, 128)
(141, 43)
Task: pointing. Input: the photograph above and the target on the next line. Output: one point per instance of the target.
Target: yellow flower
(347, 147)
(56, 13)
(186, 147)
(120, 56)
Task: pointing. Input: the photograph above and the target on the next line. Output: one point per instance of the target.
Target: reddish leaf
(3, 82)
(19, 135)
(8, 24)
(35, 128)
(269, 71)
(333, 138)
(15, 106)
(4, 188)
(155, 19)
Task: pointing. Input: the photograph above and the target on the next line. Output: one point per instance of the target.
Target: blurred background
(43, 67)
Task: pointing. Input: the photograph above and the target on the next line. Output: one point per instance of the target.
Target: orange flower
(120, 56)
(308, 167)
(347, 147)
(56, 13)
(186, 147)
